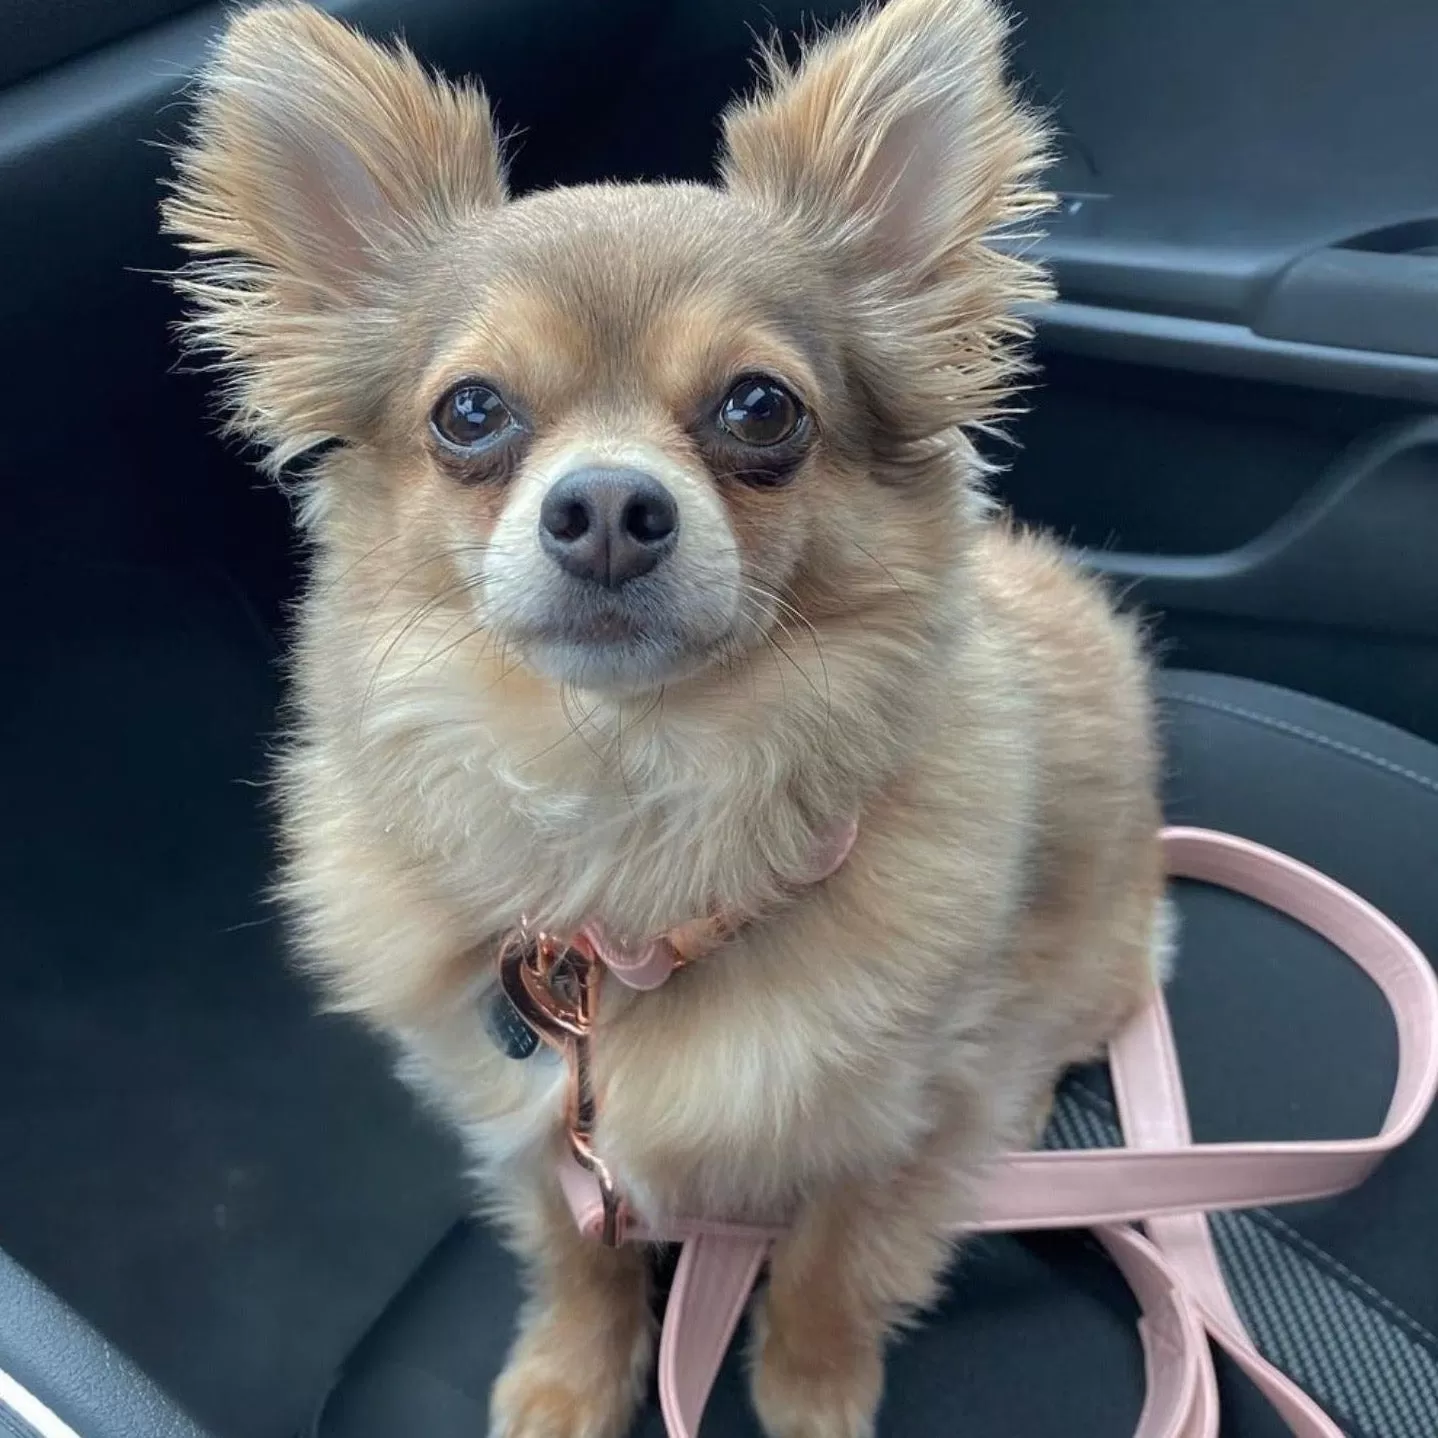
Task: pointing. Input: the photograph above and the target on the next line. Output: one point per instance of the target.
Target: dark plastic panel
(1356, 553)
(1211, 347)
(1215, 161)
(1340, 597)
(1121, 456)
(1362, 299)
(1250, 133)
(35, 34)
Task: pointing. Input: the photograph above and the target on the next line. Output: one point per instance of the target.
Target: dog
(649, 546)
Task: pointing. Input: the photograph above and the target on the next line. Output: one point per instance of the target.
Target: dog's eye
(760, 412)
(472, 417)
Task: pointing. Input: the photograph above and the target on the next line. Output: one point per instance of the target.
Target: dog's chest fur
(803, 1049)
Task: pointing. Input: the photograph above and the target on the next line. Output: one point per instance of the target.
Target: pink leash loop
(1162, 1179)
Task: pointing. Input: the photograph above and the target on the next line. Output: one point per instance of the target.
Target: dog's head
(646, 427)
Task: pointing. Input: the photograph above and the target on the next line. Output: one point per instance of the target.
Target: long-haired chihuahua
(650, 549)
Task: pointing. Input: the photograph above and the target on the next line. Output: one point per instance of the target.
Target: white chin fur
(621, 669)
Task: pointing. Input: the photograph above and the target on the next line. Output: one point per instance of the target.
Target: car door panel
(1242, 365)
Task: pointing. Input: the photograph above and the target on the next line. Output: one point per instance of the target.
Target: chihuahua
(649, 545)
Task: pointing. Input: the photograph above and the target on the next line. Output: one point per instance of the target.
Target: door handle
(1375, 291)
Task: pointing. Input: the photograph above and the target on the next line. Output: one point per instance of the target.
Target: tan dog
(651, 547)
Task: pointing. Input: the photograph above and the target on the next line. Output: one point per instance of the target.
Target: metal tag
(508, 1027)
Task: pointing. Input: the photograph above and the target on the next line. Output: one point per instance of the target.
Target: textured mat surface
(228, 1187)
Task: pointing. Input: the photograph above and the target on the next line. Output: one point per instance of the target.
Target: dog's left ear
(891, 151)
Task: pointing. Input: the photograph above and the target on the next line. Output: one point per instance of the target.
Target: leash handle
(1162, 1178)
(1149, 1179)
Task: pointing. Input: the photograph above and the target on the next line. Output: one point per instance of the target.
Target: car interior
(220, 1214)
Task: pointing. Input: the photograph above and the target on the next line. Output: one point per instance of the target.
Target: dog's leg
(856, 1263)
(586, 1336)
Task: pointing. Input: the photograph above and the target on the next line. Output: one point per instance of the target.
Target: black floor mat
(229, 1188)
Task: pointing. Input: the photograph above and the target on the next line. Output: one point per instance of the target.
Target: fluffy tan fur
(889, 648)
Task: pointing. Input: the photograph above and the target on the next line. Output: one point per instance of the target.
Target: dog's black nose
(608, 525)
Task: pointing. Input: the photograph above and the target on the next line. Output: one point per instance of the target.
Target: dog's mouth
(601, 630)
(585, 614)
(632, 639)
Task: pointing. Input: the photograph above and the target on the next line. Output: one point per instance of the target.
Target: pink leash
(1162, 1179)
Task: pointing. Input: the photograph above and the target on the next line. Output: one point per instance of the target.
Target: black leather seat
(59, 1362)
(1280, 1037)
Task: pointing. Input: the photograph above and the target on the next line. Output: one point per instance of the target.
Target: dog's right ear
(316, 163)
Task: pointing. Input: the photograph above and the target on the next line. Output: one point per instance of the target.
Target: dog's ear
(893, 149)
(316, 163)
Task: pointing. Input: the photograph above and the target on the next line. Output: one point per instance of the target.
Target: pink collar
(647, 965)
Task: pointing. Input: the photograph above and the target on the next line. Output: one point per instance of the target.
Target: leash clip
(554, 985)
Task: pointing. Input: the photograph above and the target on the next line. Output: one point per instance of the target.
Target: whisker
(334, 583)
(412, 621)
(455, 552)
(818, 654)
(434, 655)
(784, 607)
(892, 577)
(577, 726)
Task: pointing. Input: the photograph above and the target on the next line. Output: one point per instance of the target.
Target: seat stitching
(1286, 1233)
(1312, 735)
(1340, 1270)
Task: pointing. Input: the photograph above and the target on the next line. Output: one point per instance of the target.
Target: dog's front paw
(555, 1387)
(814, 1381)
